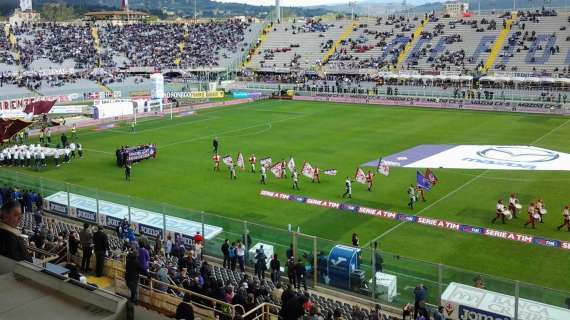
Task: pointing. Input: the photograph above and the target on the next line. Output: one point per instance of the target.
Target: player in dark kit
(128, 171)
(215, 144)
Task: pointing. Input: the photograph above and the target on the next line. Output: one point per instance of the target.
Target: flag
(228, 161)
(266, 162)
(330, 172)
(39, 107)
(240, 162)
(383, 168)
(10, 127)
(360, 176)
(291, 165)
(422, 182)
(431, 177)
(277, 170)
(308, 170)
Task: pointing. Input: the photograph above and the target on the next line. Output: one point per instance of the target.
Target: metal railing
(165, 298)
(313, 251)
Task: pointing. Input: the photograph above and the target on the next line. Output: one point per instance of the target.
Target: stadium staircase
(410, 45)
(96, 42)
(499, 42)
(181, 46)
(262, 38)
(339, 41)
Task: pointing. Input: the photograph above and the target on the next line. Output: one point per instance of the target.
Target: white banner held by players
(308, 170)
(228, 161)
(240, 162)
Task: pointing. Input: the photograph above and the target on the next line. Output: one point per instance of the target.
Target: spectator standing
(233, 256)
(226, 253)
(143, 258)
(184, 311)
(240, 253)
(100, 246)
(300, 274)
(132, 274)
(11, 242)
(420, 295)
(86, 239)
(291, 274)
(168, 246)
(275, 266)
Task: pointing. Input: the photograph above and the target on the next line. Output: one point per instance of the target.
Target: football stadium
(403, 164)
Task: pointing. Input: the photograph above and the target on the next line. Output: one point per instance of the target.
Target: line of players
(294, 175)
(263, 171)
(536, 212)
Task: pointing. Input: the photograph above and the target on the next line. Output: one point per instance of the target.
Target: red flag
(431, 177)
(39, 107)
(9, 128)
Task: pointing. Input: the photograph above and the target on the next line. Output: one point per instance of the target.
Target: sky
(296, 3)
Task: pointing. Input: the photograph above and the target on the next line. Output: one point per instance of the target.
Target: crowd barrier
(313, 251)
(440, 103)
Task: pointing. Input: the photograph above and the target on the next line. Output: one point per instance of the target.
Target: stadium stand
(182, 270)
(301, 44)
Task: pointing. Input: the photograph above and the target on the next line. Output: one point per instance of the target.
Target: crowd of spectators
(192, 45)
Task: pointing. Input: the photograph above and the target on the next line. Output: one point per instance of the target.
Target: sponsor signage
(86, 215)
(490, 157)
(112, 214)
(462, 302)
(427, 221)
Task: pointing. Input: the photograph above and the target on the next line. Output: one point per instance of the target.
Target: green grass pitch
(344, 136)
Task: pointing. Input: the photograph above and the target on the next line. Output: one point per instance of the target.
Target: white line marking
(550, 132)
(217, 134)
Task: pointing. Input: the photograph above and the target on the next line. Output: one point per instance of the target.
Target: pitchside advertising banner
(461, 302)
(436, 223)
(490, 157)
(111, 215)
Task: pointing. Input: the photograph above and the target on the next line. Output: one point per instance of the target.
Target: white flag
(277, 170)
(383, 168)
(330, 172)
(360, 176)
(228, 161)
(308, 170)
(266, 162)
(291, 165)
(240, 162)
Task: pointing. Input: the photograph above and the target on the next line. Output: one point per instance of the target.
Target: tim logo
(465, 313)
(518, 154)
